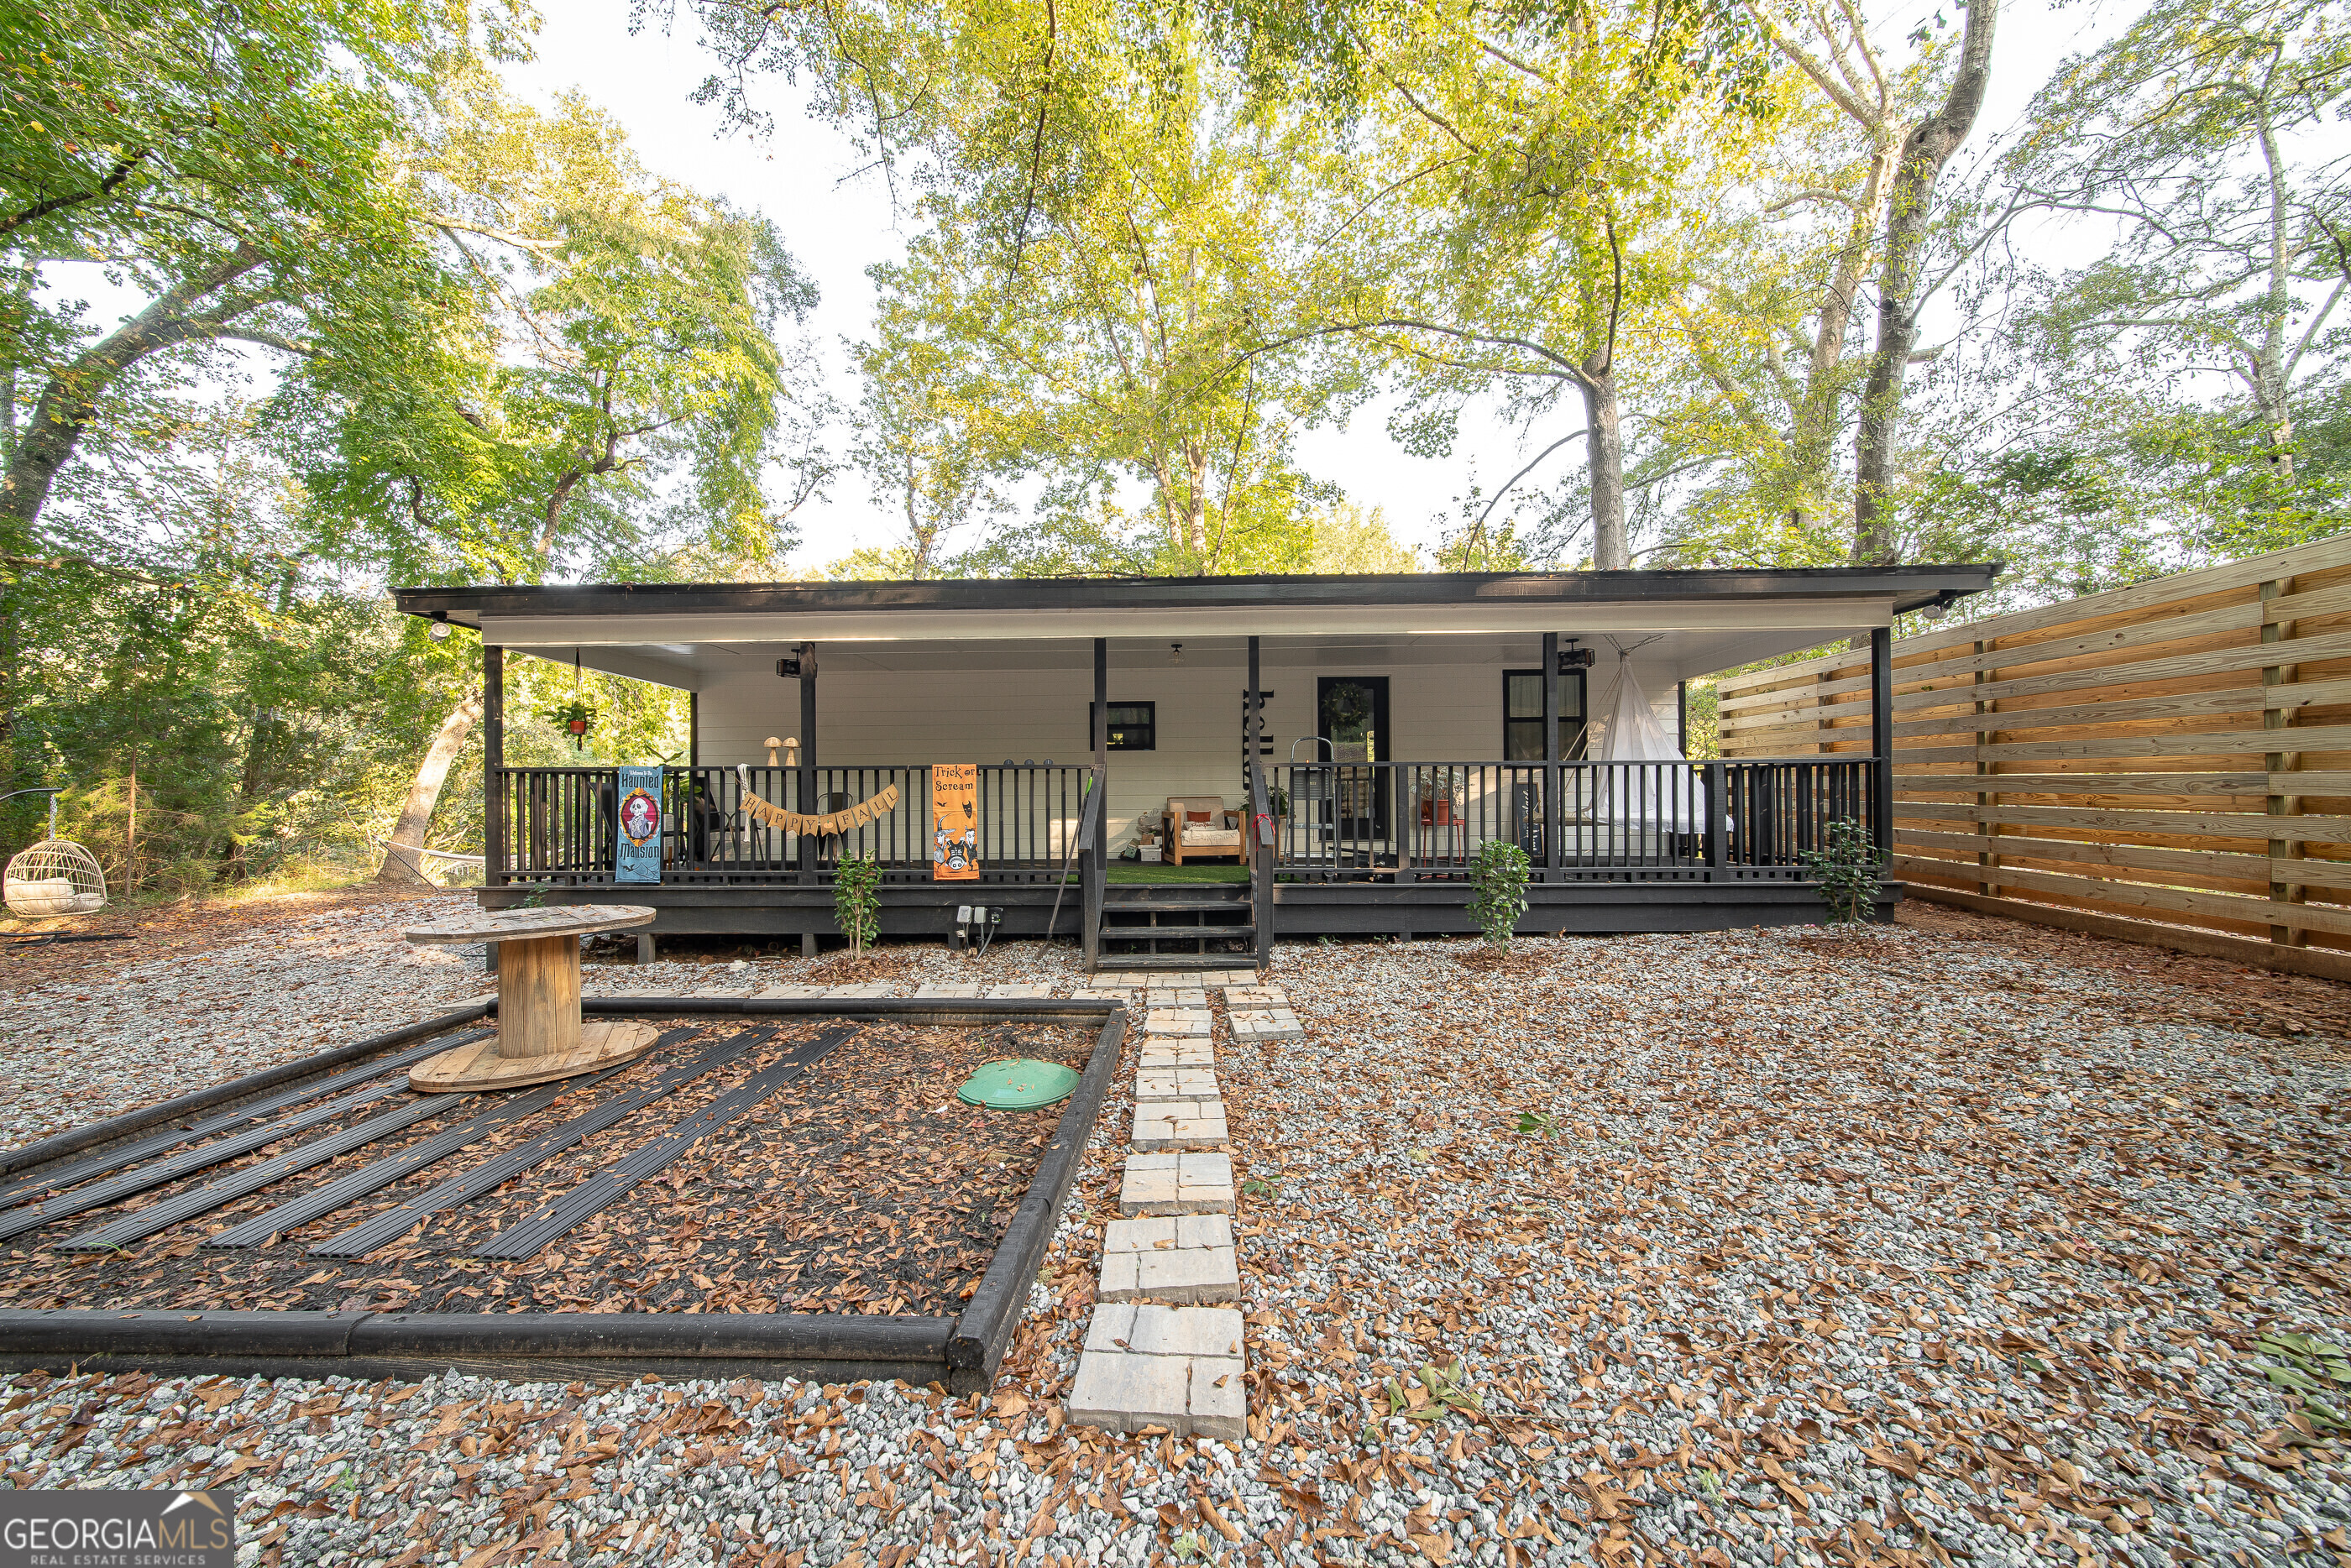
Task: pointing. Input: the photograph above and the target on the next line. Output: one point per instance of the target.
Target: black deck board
(130, 1184)
(608, 1186)
(131, 1154)
(187, 1205)
(333, 1195)
(381, 1230)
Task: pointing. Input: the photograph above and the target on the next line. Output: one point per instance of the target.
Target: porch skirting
(1300, 910)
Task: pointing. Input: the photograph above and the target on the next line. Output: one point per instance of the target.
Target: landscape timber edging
(963, 1352)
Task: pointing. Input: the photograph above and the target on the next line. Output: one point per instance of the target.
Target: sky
(838, 224)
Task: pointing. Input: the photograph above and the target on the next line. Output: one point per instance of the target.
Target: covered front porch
(1365, 736)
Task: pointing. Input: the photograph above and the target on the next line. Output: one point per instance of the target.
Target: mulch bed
(863, 1185)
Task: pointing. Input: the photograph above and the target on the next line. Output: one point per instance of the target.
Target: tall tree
(1888, 199)
(612, 407)
(2205, 135)
(918, 449)
(1528, 166)
(226, 161)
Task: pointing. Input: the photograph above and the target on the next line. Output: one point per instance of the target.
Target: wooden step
(1178, 933)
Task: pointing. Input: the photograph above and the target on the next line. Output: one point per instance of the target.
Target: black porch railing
(1339, 822)
(1333, 822)
(557, 824)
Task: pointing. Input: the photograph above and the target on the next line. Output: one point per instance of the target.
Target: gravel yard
(1947, 1243)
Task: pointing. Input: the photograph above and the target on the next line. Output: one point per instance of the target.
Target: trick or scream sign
(955, 822)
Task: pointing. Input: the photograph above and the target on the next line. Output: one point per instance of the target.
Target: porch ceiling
(1692, 622)
(1678, 654)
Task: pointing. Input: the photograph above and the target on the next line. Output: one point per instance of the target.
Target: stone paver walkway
(1158, 1353)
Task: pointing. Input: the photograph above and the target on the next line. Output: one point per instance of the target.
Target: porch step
(1172, 905)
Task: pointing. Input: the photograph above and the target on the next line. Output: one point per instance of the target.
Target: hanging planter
(573, 717)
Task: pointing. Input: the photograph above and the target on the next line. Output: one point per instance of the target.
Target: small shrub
(854, 902)
(1499, 877)
(1848, 870)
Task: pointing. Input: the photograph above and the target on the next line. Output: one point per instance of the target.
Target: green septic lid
(1019, 1085)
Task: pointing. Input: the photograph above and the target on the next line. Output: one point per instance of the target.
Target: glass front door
(1352, 712)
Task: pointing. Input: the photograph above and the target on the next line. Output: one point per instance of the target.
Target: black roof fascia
(1910, 587)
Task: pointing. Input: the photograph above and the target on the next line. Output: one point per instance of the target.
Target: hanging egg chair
(54, 876)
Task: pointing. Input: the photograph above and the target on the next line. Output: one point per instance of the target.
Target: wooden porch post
(694, 728)
(1681, 718)
(1881, 737)
(1551, 802)
(1094, 817)
(1255, 853)
(494, 762)
(1101, 737)
(808, 801)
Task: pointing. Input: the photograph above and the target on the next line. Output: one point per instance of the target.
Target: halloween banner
(636, 855)
(955, 822)
(829, 821)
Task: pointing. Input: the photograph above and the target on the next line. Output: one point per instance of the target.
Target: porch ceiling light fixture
(1574, 657)
(1175, 653)
(439, 630)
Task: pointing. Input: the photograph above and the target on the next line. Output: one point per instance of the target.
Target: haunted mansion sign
(636, 855)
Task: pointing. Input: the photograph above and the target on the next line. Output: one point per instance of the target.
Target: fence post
(2285, 889)
(1400, 825)
(1987, 801)
(1717, 818)
(1881, 737)
(808, 801)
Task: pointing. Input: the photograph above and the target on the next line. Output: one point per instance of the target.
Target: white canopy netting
(1657, 799)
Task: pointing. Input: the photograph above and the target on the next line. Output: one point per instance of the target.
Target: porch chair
(1198, 827)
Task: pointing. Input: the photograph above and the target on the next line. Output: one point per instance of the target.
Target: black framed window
(1134, 726)
(1523, 714)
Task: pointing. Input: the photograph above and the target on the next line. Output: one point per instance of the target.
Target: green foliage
(1497, 878)
(2311, 1367)
(613, 392)
(502, 348)
(1849, 867)
(1439, 1392)
(855, 903)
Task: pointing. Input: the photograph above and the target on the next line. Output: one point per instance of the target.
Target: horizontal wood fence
(2169, 763)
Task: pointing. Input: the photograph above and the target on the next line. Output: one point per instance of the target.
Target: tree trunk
(406, 865)
(1610, 550)
(1924, 154)
(233, 856)
(69, 400)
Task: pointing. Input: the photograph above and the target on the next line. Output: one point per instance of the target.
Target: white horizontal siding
(1439, 712)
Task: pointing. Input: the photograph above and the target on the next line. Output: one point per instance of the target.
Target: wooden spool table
(540, 1036)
